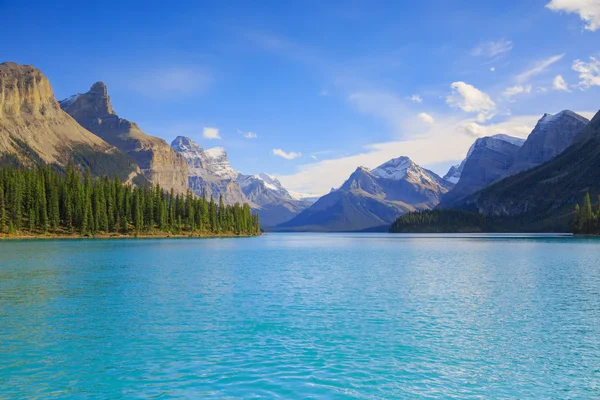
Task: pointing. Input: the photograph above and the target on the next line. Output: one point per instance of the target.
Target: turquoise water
(301, 316)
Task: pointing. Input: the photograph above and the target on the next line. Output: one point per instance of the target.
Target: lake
(324, 316)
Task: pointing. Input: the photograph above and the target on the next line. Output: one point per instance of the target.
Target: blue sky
(322, 86)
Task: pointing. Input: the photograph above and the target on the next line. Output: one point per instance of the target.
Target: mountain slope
(157, 161)
(34, 129)
(371, 199)
(488, 159)
(550, 137)
(209, 171)
(543, 198)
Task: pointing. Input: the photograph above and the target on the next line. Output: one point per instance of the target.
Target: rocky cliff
(34, 129)
(157, 161)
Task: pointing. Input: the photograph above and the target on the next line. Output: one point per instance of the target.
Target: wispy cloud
(512, 91)
(211, 133)
(589, 73)
(472, 100)
(492, 48)
(287, 155)
(172, 81)
(247, 135)
(538, 68)
(588, 10)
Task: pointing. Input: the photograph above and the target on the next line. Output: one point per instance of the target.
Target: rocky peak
(453, 174)
(90, 105)
(396, 168)
(25, 92)
(551, 136)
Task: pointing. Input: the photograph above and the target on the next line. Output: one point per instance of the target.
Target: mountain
(454, 173)
(157, 161)
(488, 159)
(209, 171)
(371, 199)
(34, 129)
(550, 137)
(542, 198)
(275, 204)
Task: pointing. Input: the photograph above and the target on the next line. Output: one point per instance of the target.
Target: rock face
(373, 199)
(34, 129)
(488, 159)
(209, 171)
(542, 198)
(157, 161)
(550, 137)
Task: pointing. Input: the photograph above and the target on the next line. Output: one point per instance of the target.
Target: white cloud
(588, 10)
(427, 118)
(288, 156)
(415, 98)
(472, 100)
(520, 126)
(538, 68)
(492, 48)
(510, 92)
(247, 135)
(559, 83)
(589, 73)
(314, 157)
(211, 133)
(173, 81)
(492, 69)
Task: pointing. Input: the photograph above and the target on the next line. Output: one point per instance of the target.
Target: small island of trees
(587, 217)
(47, 201)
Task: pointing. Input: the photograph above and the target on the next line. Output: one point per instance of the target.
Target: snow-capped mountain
(371, 199)
(211, 173)
(488, 159)
(203, 162)
(266, 182)
(454, 173)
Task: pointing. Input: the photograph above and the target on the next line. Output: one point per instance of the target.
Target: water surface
(301, 316)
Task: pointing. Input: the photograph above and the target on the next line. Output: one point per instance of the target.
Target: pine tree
(586, 214)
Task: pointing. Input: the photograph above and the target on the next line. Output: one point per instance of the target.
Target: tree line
(441, 221)
(587, 217)
(47, 200)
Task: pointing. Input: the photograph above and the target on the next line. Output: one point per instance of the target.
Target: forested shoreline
(49, 202)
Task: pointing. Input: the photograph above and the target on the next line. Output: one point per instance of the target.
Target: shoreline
(51, 236)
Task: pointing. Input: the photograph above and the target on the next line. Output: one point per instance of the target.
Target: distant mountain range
(211, 174)
(534, 181)
(373, 199)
